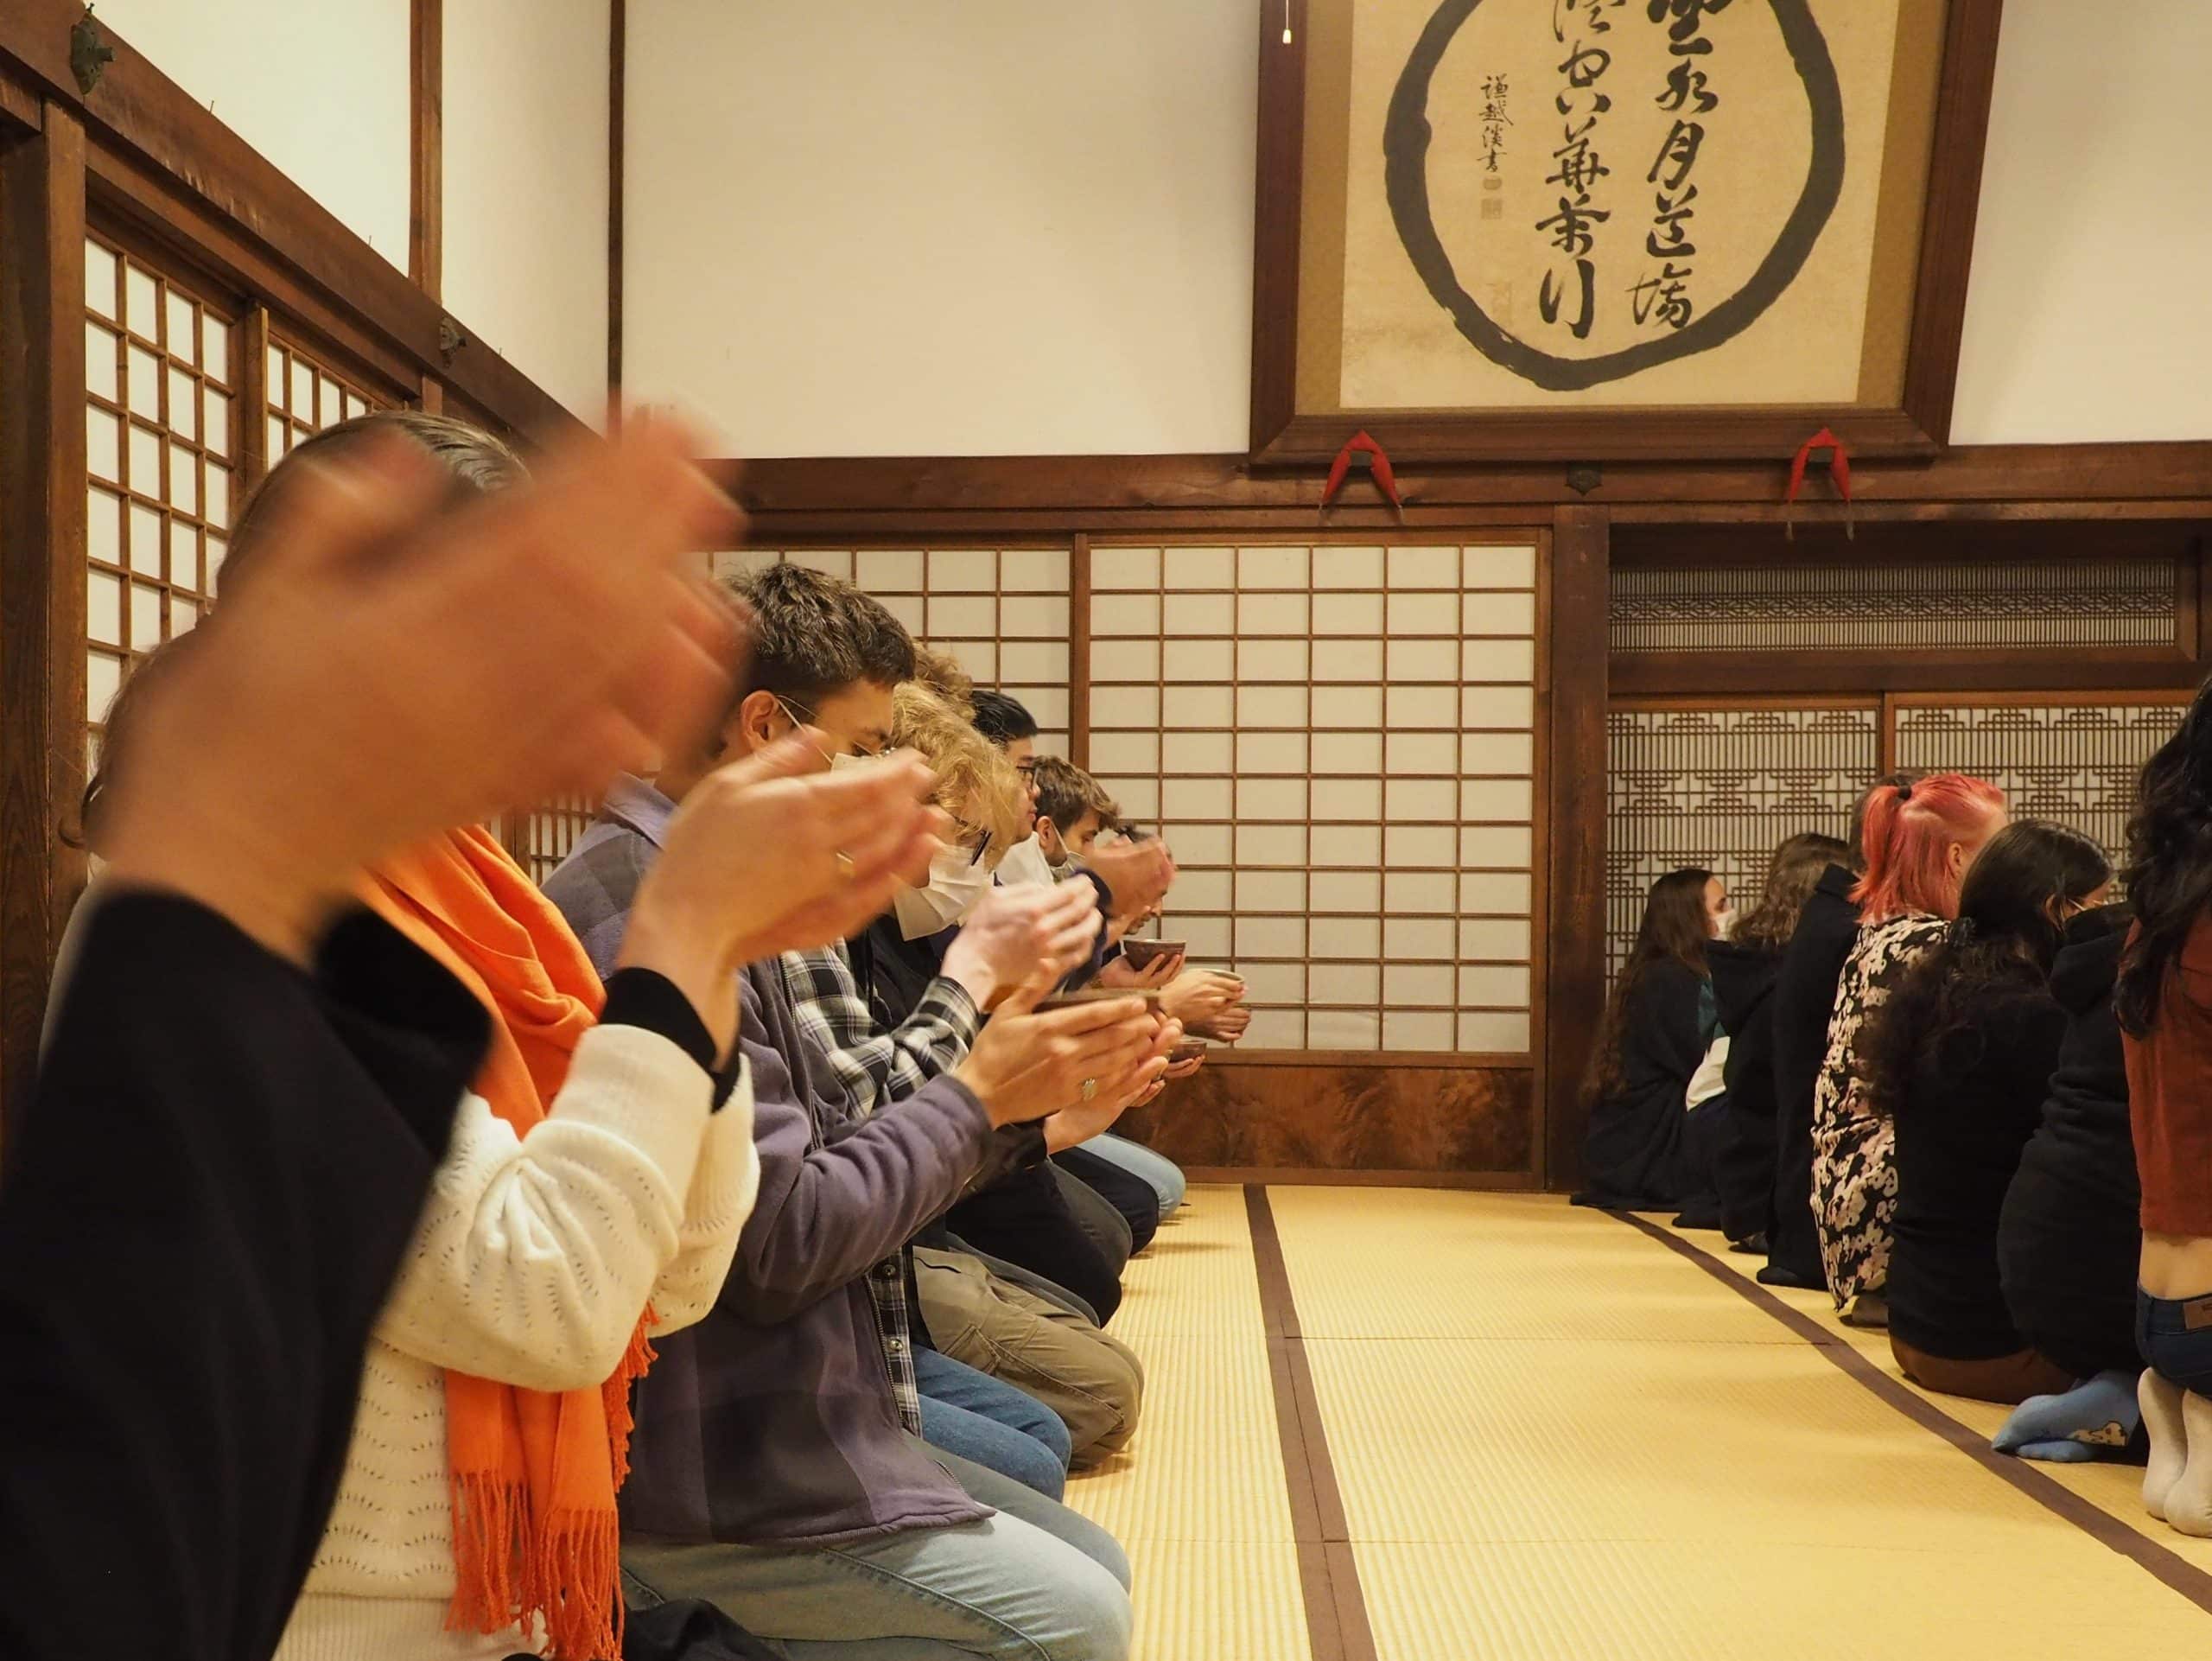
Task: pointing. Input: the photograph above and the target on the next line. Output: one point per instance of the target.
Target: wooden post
(426, 41)
(1574, 902)
(41, 573)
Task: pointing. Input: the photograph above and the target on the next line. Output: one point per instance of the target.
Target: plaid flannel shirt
(877, 1069)
(876, 1066)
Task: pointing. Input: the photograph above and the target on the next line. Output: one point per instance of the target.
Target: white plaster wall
(526, 187)
(318, 86)
(2093, 253)
(992, 227)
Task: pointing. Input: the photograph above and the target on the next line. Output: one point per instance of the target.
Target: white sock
(2189, 1506)
(2163, 1417)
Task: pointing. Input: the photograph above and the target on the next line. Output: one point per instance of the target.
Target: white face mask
(1025, 862)
(842, 762)
(958, 882)
(1724, 924)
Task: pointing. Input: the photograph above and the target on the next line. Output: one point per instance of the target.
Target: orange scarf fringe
(533, 1474)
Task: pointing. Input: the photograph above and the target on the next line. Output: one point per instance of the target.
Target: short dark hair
(1001, 719)
(815, 635)
(1066, 792)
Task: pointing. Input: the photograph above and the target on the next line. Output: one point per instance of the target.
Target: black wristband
(647, 999)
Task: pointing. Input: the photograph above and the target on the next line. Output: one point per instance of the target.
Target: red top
(2169, 1095)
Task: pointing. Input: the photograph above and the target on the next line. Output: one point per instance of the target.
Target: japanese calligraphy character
(1686, 85)
(1689, 16)
(1548, 296)
(1584, 65)
(1579, 169)
(1667, 239)
(1683, 141)
(1571, 226)
(1664, 296)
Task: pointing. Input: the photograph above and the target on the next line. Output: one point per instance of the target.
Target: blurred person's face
(853, 720)
(1062, 846)
(1022, 752)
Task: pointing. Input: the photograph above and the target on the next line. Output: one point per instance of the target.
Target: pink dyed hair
(1910, 830)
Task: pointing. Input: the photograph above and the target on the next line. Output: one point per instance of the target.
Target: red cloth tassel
(1841, 467)
(1378, 464)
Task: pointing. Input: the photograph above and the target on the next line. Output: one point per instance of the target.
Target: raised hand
(1029, 1063)
(1033, 931)
(1078, 1123)
(391, 669)
(776, 854)
(1139, 873)
(1201, 995)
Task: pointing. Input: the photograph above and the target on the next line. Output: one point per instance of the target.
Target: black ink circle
(1406, 135)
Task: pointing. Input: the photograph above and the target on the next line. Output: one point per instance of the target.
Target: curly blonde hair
(941, 672)
(976, 783)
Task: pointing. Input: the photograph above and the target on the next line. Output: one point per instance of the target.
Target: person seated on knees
(590, 1198)
(774, 1470)
(2163, 999)
(1043, 1220)
(1744, 968)
(1645, 1149)
(1960, 1059)
(2067, 1239)
(1804, 1001)
(1073, 810)
(207, 1203)
(966, 1317)
(1919, 838)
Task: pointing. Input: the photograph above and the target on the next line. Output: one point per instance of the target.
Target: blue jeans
(1165, 1176)
(996, 1425)
(2175, 1350)
(1037, 1582)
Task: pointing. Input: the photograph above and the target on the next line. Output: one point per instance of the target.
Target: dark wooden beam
(1572, 710)
(213, 178)
(2025, 669)
(1953, 202)
(41, 573)
(618, 49)
(1083, 493)
(426, 43)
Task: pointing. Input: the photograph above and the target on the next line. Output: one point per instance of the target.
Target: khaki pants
(1021, 1338)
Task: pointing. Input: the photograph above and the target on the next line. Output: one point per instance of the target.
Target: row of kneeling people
(1940, 1072)
(764, 1280)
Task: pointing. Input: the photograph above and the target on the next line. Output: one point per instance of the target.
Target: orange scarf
(533, 1474)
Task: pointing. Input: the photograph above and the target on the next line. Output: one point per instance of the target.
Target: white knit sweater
(530, 1265)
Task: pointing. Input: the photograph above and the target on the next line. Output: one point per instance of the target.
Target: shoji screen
(1340, 743)
(161, 430)
(1718, 787)
(1001, 611)
(305, 397)
(2073, 762)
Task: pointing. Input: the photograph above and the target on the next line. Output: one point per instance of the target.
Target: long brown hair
(1675, 929)
(1791, 876)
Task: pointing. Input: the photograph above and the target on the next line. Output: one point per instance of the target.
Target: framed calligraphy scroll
(1614, 229)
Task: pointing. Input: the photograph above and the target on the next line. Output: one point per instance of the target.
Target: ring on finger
(845, 866)
(1090, 1089)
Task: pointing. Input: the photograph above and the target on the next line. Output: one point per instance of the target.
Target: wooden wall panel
(1333, 1118)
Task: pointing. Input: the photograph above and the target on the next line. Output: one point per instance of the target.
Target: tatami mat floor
(1538, 1434)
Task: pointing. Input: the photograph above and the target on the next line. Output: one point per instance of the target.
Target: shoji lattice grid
(1719, 788)
(1001, 611)
(546, 834)
(1339, 744)
(161, 442)
(2073, 763)
(306, 396)
(1819, 607)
